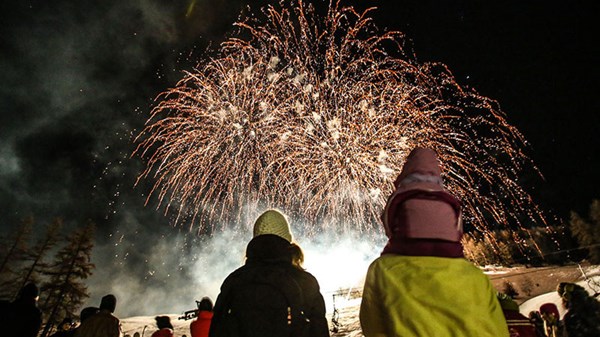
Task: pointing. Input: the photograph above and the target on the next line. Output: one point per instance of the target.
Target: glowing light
(315, 115)
(190, 8)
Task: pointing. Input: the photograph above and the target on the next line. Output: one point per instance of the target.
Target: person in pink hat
(422, 285)
(552, 323)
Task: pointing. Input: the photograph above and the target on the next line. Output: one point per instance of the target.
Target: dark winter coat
(24, 319)
(68, 333)
(272, 253)
(102, 324)
(582, 324)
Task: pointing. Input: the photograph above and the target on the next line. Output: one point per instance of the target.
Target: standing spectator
(85, 313)
(551, 317)
(583, 311)
(65, 328)
(297, 256)
(268, 296)
(23, 318)
(518, 324)
(422, 285)
(201, 325)
(536, 319)
(165, 328)
(103, 323)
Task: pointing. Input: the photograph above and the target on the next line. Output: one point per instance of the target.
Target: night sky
(78, 79)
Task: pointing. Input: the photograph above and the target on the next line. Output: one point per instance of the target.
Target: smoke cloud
(78, 80)
(181, 267)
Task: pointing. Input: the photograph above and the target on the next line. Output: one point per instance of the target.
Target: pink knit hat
(420, 207)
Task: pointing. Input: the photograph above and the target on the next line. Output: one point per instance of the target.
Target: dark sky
(78, 79)
(538, 59)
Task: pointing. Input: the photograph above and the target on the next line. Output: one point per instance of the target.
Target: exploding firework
(315, 115)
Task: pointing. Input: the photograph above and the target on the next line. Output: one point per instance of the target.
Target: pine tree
(587, 232)
(15, 247)
(504, 250)
(66, 292)
(595, 231)
(38, 252)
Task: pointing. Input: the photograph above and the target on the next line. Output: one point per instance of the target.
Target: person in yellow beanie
(268, 296)
(421, 285)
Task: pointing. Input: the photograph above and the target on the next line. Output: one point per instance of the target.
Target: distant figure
(551, 317)
(201, 325)
(268, 296)
(518, 324)
(422, 285)
(102, 323)
(87, 312)
(23, 318)
(536, 319)
(165, 328)
(65, 328)
(297, 256)
(583, 311)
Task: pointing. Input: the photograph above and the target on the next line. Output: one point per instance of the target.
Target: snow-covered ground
(146, 325)
(592, 285)
(348, 309)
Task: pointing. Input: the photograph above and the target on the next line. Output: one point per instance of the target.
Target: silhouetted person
(538, 322)
(65, 328)
(165, 328)
(87, 312)
(201, 325)
(268, 296)
(518, 324)
(23, 318)
(551, 317)
(84, 314)
(583, 311)
(103, 323)
(422, 285)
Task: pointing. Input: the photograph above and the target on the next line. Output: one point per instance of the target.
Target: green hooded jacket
(425, 296)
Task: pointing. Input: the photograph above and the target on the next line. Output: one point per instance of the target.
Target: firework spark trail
(316, 115)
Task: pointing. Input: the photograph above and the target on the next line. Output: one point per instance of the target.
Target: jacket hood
(268, 248)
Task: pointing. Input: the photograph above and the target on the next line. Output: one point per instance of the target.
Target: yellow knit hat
(273, 222)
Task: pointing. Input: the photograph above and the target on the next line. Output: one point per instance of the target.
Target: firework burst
(315, 115)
